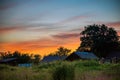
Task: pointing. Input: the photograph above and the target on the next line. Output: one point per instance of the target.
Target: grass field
(62, 70)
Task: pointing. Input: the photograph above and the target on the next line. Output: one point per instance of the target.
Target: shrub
(90, 63)
(113, 71)
(2, 67)
(64, 72)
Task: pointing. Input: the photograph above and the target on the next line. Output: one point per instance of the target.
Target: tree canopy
(61, 51)
(22, 57)
(37, 58)
(99, 39)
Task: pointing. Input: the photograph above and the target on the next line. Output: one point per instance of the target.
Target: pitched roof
(114, 54)
(52, 58)
(8, 59)
(86, 55)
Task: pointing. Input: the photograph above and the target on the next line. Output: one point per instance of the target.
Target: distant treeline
(21, 57)
(32, 58)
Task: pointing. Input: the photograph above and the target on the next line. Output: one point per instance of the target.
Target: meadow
(63, 70)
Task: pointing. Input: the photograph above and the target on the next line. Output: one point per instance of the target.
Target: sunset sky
(41, 26)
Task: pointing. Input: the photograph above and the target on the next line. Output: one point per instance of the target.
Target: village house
(52, 58)
(114, 54)
(9, 61)
(81, 55)
(14, 62)
(113, 57)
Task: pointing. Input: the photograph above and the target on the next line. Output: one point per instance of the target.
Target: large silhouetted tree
(99, 39)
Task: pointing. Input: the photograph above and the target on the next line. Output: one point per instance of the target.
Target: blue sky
(27, 20)
(55, 11)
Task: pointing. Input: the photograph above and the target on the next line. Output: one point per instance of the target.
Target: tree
(21, 57)
(5, 55)
(37, 58)
(62, 51)
(99, 39)
(25, 58)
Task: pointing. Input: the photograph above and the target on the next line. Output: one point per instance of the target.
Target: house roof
(52, 58)
(86, 55)
(8, 59)
(114, 54)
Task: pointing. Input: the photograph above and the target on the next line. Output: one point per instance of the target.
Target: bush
(2, 67)
(64, 72)
(113, 71)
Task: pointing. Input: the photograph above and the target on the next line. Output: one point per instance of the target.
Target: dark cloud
(6, 4)
(6, 29)
(66, 35)
(36, 27)
(4, 7)
(74, 18)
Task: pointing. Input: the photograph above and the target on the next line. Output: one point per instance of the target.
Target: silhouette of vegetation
(118, 48)
(37, 59)
(99, 39)
(64, 72)
(21, 57)
(61, 51)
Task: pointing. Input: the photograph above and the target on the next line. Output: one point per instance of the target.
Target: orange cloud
(119, 33)
(114, 24)
(111, 24)
(36, 46)
(44, 46)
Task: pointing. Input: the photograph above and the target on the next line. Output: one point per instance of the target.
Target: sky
(42, 26)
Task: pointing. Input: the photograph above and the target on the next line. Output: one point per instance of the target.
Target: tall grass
(62, 70)
(22, 73)
(113, 71)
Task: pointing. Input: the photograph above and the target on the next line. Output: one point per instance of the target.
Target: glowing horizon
(41, 26)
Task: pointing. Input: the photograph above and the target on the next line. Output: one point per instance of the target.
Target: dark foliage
(37, 58)
(61, 51)
(21, 57)
(99, 39)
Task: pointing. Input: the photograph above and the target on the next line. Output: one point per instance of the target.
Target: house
(81, 55)
(52, 58)
(25, 65)
(114, 54)
(9, 61)
(14, 62)
(113, 57)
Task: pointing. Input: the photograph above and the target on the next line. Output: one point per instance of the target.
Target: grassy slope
(77, 70)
